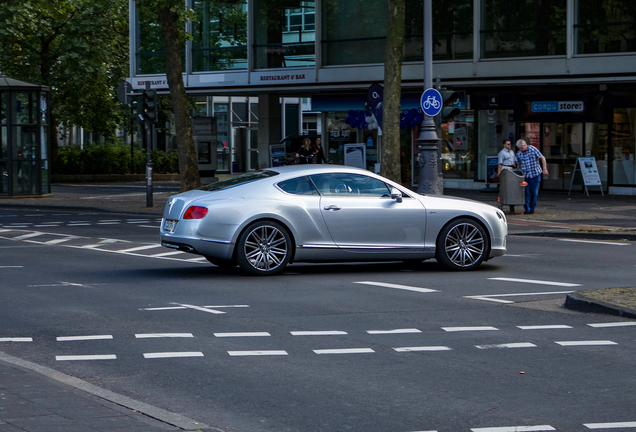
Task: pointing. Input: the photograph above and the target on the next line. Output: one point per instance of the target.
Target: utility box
(511, 192)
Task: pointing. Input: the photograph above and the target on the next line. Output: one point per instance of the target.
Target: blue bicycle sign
(431, 102)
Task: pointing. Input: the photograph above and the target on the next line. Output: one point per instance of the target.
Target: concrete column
(269, 126)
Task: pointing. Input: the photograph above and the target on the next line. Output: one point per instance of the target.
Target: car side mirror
(396, 195)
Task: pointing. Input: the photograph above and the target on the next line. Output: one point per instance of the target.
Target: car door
(360, 214)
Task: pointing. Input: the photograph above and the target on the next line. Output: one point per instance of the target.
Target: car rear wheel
(264, 248)
(462, 245)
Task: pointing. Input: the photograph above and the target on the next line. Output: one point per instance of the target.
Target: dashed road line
(83, 338)
(258, 353)
(533, 281)
(508, 345)
(86, 357)
(242, 334)
(545, 327)
(461, 329)
(395, 331)
(345, 351)
(16, 339)
(396, 286)
(616, 425)
(318, 333)
(515, 429)
(163, 335)
(423, 348)
(585, 343)
(173, 354)
(613, 324)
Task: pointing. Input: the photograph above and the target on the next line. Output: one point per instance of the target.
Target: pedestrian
(533, 165)
(506, 157)
(305, 152)
(320, 156)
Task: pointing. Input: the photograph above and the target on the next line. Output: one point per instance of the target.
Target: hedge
(111, 158)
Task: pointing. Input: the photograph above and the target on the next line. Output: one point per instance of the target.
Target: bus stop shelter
(24, 138)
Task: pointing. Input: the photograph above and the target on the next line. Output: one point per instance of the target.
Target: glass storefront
(458, 147)
(624, 146)
(285, 34)
(523, 28)
(339, 134)
(219, 35)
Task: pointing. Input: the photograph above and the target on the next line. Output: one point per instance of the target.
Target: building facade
(560, 74)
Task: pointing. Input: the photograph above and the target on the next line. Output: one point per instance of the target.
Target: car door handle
(332, 207)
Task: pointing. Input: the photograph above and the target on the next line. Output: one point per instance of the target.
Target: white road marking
(173, 354)
(595, 242)
(199, 308)
(610, 425)
(538, 282)
(490, 297)
(508, 345)
(108, 223)
(585, 343)
(422, 348)
(318, 333)
(11, 266)
(258, 353)
(244, 334)
(184, 307)
(139, 248)
(150, 226)
(167, 254)
(345, 351)
(86, 357)
(28, 236)
(458, 329)
(613, 324)
(78, 224)
(17, 339)
(82, 338)
(60, 240)
(402, 287)
(163, 335)
(544, 327)
(34, 215)
(396, 331)
(515, 429)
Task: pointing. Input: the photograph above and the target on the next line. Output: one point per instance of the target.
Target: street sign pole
(148, 159)
(428, 141)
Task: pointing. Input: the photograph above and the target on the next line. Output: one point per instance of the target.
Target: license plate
(169, 225)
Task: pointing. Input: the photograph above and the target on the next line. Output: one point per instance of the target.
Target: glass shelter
(24, 143)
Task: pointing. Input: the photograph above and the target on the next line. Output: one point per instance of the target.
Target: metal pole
(428, 141)
(148, 165)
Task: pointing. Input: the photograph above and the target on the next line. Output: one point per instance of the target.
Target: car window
(354, 185)
(239, 180)
(298, 186)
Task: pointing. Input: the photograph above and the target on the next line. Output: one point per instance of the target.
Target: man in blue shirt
(533, 165)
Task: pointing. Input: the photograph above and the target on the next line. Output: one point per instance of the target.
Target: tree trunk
(188, 164)
(390, 167)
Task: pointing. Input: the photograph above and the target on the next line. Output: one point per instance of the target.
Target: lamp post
(428, 141)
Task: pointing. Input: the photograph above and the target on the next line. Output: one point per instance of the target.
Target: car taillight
(195, 212)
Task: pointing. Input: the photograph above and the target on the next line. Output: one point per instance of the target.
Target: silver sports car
(266, 219)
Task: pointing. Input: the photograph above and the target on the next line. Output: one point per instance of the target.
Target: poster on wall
(492, 162)
(533, 133)
(355, 155)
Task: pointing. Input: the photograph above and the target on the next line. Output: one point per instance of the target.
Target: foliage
(111, 159)
(79, 48)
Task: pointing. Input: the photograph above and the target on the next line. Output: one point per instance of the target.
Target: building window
(151, 50)
(605, 27)
(452, 30)
(284, 34)
(219, 35)
(523, 28)
(354, 32)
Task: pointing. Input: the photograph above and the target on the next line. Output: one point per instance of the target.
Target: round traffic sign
(431, 102)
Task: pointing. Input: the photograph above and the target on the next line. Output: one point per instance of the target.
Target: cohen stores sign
(557, 107)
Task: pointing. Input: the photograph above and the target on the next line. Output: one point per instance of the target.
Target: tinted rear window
(239, 180)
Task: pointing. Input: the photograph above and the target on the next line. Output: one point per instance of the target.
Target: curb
(579, 235)
(583, 304)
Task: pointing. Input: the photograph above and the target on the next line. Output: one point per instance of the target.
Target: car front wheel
(462, 245)
(264, 248)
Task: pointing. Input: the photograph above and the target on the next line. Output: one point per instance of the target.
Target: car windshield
(238, 180)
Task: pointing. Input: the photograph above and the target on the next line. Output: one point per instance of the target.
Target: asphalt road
(365, 347)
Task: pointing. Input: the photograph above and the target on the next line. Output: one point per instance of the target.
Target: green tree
(390, 167)
(172, 16)
(79, 48)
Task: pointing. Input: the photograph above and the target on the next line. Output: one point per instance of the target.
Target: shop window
(624, 145)
(605, 27)
(219, 35)
(284, 34)
(523, 28)
(458, 152)
(452, 30)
